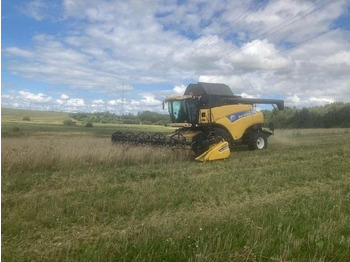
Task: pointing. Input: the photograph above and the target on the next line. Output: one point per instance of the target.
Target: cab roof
(202, 89)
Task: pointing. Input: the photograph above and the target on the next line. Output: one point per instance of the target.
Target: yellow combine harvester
(211, 120)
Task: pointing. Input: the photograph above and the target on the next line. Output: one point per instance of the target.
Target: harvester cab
(211, 120)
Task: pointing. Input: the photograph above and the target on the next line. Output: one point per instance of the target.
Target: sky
(127, 56)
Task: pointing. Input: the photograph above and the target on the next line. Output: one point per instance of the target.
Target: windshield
(183, 111)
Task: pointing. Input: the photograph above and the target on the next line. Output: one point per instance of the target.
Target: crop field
(68, 194)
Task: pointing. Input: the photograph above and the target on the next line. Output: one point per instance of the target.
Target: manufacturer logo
(224, 148)
(236, 116)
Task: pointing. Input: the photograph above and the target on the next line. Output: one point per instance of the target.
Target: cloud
(113, 46)
(98, 102)
(179, 90)
(41, 10)
(64, 97)
(35, 9)
(258, 54)
(115, 102)
(36, 98)
(17, 52)
(150, 101)
(75, 102)
(300, 101)
(341, 58)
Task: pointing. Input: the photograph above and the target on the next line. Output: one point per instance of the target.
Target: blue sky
(126, 56)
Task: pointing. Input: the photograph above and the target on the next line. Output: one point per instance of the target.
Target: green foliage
(69, 122)
(89, 124)
(146, 117)
(26, 118)
(328, 116)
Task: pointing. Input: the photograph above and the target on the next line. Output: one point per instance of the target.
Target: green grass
(44, 123)
(72, 196)
(17, 115)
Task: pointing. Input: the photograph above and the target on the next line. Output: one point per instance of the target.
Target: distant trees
(145, 117)
(69, 122)
(331, 115)
(148, 117)
(26, 118)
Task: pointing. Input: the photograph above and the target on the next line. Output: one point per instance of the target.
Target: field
(69, 195)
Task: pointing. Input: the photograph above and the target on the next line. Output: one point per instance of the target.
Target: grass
(72, 196)
(47, 117)
(51, 123)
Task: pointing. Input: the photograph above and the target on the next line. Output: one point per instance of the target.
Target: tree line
(328, 116)
(145, 117)
(331, 115)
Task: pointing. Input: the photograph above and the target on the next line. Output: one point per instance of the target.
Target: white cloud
(258, 54)
(98, 102)
(341, 58)
(64, 97)
(293, 100)
(179, 90)
(15, 51)
(151, 101)
(115, 102)
(116, 45)
(321, 100)
(37, 98)
(35, 9)
(76, 102)
(5, 96)
(60, 102)
(247, 96)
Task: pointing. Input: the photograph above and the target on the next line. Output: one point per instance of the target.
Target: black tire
(200, 143)
(257, 141)
(225, 135)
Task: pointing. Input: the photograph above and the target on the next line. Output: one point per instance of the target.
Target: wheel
(257, 140)
(225, 135)
(200, 143)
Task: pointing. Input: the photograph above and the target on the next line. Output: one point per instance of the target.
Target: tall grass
(70, 198)
(62, 152)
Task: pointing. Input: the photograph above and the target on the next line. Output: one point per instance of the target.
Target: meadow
(68, 194)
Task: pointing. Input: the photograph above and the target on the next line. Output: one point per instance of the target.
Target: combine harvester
(210, 120)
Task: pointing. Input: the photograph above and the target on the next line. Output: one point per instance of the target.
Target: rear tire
(257, 141)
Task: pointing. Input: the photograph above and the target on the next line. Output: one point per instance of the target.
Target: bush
(26, 118)
(89, 124)
(15, 129)
(69, 122)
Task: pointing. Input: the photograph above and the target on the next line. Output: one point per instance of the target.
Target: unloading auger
(211, 120)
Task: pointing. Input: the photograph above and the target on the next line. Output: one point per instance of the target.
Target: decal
(236, 116)
(224, 148)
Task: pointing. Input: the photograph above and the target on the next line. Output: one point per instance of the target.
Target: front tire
(220, 132)
(200, 143)
(257, 141)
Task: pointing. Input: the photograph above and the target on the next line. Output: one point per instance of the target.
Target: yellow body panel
(217, 151)
(235, 118)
